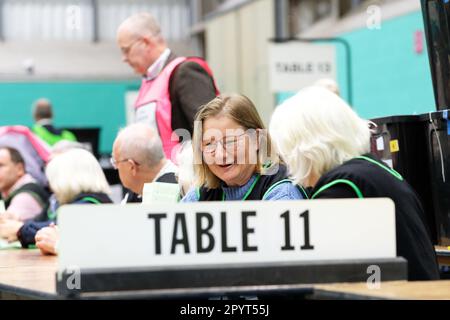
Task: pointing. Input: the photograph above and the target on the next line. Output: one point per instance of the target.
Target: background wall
(76, 104)
(389, 77)
(236, 46)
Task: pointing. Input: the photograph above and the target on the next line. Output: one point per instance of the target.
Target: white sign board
(295, 65)
(217, 233)
(130, 100)
(160, 192)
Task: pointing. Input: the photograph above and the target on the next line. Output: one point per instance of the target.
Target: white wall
(237, 48)
(31, 20)
(56, 36)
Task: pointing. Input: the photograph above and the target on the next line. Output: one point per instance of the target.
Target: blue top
(283, 191)
(30, 228)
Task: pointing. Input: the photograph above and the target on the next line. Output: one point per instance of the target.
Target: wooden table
(403, 290)
(28, 274)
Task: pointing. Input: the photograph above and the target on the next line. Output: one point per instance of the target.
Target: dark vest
(263, 185)
(33, 189)
(168, 177)
(369, 177)
(94, 198)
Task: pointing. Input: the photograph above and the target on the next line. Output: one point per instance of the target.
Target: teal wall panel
(76, 104)
(389, 77)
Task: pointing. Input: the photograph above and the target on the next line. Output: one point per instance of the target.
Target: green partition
(389, 77)
(76, 104)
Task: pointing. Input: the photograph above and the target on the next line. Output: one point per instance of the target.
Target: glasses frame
(126, 51)
(221, 141)
(114, 163)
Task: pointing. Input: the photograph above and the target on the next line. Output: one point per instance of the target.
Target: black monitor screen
(90, 137)
(437, 18)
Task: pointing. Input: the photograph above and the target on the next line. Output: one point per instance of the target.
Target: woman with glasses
(233, 155)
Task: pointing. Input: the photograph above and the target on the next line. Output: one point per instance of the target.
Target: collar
(19, 183)
(44, 122)
(169, 166)
(238, 192)
(155, 69)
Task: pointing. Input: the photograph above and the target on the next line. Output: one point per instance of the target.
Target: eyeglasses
(126, 50)
(228, 144)
(115, 162)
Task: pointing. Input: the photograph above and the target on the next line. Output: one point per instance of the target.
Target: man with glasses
(139, 157)
(173, 88)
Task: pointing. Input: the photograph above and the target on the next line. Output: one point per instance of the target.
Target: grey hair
(65, 145)
(142, 24)
(73, 172)
(316, 131)
(140, 143)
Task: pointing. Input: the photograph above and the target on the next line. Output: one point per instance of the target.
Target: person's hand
(9, 215)
(47, 239)
(9, 228)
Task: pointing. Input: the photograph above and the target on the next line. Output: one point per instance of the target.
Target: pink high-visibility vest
(153, 105)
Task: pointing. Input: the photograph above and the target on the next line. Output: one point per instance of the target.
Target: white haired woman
(326, 146)
(233, 155)
(75, 177)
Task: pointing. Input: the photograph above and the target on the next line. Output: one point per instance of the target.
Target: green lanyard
(352, 185)
(91, 200)
(344, 181)
(248, 191)
(391, 171)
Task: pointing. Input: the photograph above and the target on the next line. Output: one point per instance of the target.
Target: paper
(2, 206)
(380, 144)
(4, 244)
(160, 192)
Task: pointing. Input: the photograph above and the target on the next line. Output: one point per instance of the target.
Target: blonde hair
(315, 131)
(241, 110)
(185, 161)
(73, 172)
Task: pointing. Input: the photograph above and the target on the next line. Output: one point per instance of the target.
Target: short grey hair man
(138, 155)
(42, 109)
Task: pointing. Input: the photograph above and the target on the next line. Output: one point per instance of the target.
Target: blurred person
(65, 145)
(139, 157)
(47, 240)
(172, 89)
(43, 127)
(233, 155)
(12, 228)
(326, 146)
(24, 198)
(75, 177)
(26, 231)
(34, 151)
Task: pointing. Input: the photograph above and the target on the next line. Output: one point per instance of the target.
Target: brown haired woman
(234, 157)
